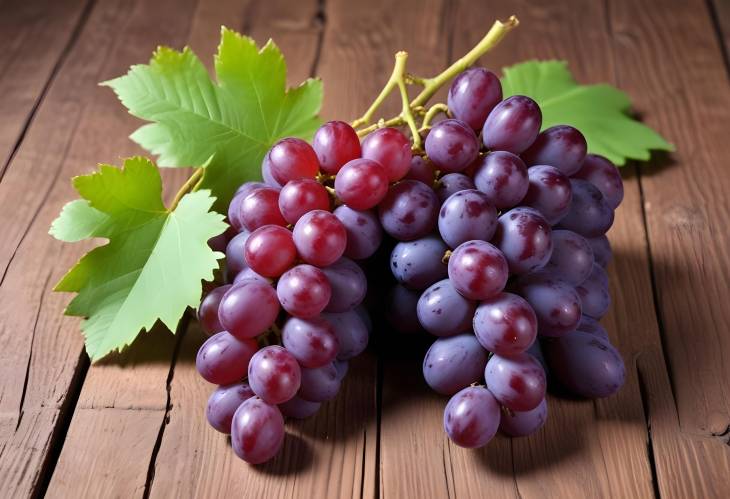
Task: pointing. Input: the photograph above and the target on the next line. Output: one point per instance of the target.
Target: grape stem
(190, 185)
(431, 114)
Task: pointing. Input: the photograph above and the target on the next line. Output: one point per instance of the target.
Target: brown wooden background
(135, 426)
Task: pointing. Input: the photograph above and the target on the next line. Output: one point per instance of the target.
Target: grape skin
(524, 237)
(409, 210)
(311, 341)
(335, 143)
(351, 332)
(235, 254)
(348, 283)
(422, 170)
(257, 431)
(418, 264)
(572, 257)
(298, 408)
(502, 177)
(589, 214)
(270, 250)
(361, 184)
(292, 159)
(234, 207)
(466, 216)
(472, 96)
(556, 303)
(512, 125)
(452, 183)
(301, 196)
(320, 384)
(605, 176)
(451, 145)
(223, 359)
(443, 311)
(320, 238)
(478, 270)
(304, 291)
(594, 295)
(222, 404)
(523, 423)
(549, 192)
(390, 148)
(505, 324)
(517, 382)
(260, 208)
(471, 417)
(364, 233)
(601, 250)
(248, 309)
(589, 325)
(561, 146)
(208, 310)
(274, 374)
(454, 363)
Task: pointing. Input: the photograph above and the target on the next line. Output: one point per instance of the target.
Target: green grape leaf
(226, 126)
(152, 267)
(600, 112)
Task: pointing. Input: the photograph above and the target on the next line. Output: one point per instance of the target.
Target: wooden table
(134, 426)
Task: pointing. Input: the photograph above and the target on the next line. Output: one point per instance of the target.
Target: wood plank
(35, 36)
(721, 16)
(684, 93)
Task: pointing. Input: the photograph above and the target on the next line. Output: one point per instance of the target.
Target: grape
(572, 257)
(555, 302)
(311, 341)
(266, 174)
(505, 324)
(335, 143)
(523, 423)
(601, 250)
(589, 325)
(270, 250)
(418, 264)
(320, 238)
(274, 374)
(401, 311)
(223, 359)
(351, 332)
(208, 310)
(517, 382)
(249, 275)
(362, 312)
(502, 176)
(561, 146)
(589, 214)
(223, 403)
(454, 363)
(512, 125)
(422, 170)
(524, 237)
(593, 293)
(234, 208)
(390, 148)
(409, 210)
(549, 192)
(298, 408)
(465, 216)
(300, 196)
(451, 145)
(257, 431)
(341, 366)
(292, 159)
(219, 242)
(361, 184)
(442, 311)
(235, 254)
(472, 417)
(452, 183)
(536, 351)
(304, 291)
(348, 283)
(319, 384)
(364, 233)
(473, 94)
(260, 208)
(248, 309)
(585, 364)
(605, 176)
(478, 270)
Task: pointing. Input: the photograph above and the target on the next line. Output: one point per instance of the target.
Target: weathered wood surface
(134, 426)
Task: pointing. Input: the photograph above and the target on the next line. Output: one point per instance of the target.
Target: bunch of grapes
(499, 250)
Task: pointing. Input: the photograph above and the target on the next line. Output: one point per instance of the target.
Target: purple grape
(605, 176)
(342, 367)
(320, 384)
(422, 170)
(418, 264)
(400, 310)
(443, 311)
(523, 423)
(585, 364)
(601, 250)
(234, 208)
(536, 351)
(361, 183)
(274, 374)
(505, 324)
(594, 295)
(223, 359)
(466, 216)
(311, 341)
(589, 325)
(320, 238)
(248, 309)
(471, 417)
(292, 159)
(235, 254)
(257, 431)
(561, 146)
(452, 145)
(223, 403)
(512, 125)
(517, 382)
(589, 214)
(473, 94)
(524, 237)
(335, 143)
(451, 184)
(390, 148)
(351, 332)
(248, 274)
(549, 192)
(502, 176)
(572, 257)
(454, 363)
(409, 210)
(364, 232)
(555, 302)
(266, 174)
(208, 310)
(478, 270)
(298, 408)
(348, 283)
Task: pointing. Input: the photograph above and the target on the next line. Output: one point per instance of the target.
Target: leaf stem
(187, 187)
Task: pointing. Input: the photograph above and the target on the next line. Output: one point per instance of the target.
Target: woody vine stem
(411, 109)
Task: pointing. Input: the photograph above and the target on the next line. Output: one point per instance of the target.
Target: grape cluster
(498, 249)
